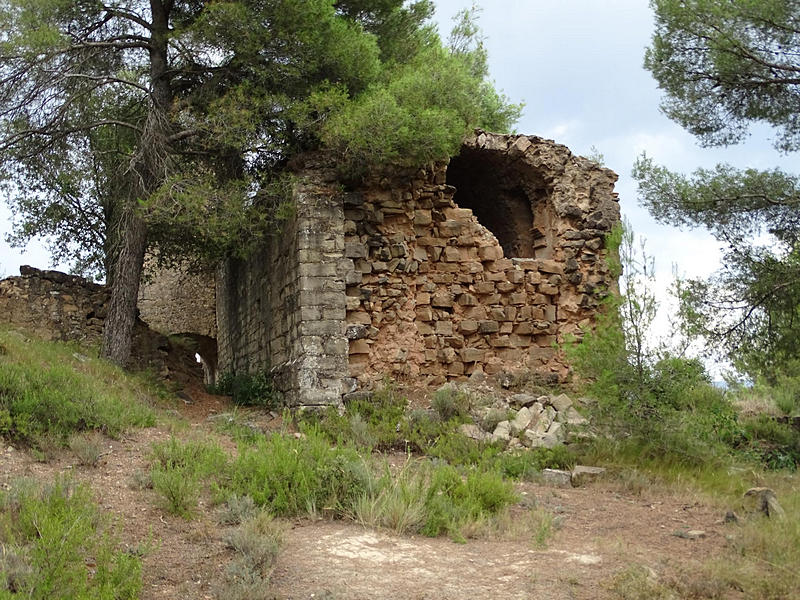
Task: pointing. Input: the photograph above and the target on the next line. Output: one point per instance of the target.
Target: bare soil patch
(601, 532)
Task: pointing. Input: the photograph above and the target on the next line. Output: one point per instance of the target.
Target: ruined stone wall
(58, 307)
(53, 305)
(435, 296)
(179, 300)
(284, 308)
(479, 267)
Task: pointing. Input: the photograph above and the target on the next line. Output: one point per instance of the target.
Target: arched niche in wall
(509, 199)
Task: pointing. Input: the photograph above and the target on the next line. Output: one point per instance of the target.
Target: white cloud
(561, 132)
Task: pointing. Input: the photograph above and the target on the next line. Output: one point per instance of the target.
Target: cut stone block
(557, 477)
(521, 421)
(582, 475)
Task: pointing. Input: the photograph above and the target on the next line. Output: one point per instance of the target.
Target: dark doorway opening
(502, 200)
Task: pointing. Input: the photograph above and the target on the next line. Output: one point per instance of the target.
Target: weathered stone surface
(572, 417)
(472, 431)
(766, 501)
(472, 355)
(556, 477)
(581, 475)
(561, 402)
(179, 300)
(444, 300)
(558, 431)
(520, 400)
(521, 420)
(488, 327)
(502, 432)
(359, 347)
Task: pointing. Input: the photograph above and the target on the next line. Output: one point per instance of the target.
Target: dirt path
(602, 530)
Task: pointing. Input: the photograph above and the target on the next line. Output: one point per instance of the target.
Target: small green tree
(639, 381)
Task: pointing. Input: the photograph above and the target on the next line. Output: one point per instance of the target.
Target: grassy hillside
(51, 391)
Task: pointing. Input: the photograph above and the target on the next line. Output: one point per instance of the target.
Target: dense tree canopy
(724, 66)
(135, 124)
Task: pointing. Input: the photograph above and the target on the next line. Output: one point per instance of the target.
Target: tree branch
(117, 11)
(102, 79)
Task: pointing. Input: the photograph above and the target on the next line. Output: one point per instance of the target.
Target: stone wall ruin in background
(443, 273)
(473, 269)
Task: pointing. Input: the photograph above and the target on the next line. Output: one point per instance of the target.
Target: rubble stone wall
(435, 296)
(58, 307)
(477, 267)
(180, 300)
(284, 308)
(53, 305)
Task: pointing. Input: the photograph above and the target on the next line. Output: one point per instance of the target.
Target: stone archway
(511, 203)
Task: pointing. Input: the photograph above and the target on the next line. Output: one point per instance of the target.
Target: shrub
(449, 403)
(88, 449)
(237, 509)
(775, 445)
(526, 464)
(421, 428)
(458, 449)
(245, 389)
(178, 489)
(47, 533)
(372, 423)
(257, 543)
(176, 470)
(291, 476)
(494, 416)
(452, 502)
(396, 503)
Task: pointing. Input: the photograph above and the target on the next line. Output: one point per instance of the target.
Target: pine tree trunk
(121, 317)
(148, 169)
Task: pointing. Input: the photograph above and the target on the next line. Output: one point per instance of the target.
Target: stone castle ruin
(479, 267)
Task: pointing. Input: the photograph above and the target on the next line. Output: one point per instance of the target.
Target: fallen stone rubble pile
(532, 421)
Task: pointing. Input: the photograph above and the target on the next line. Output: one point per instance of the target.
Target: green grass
(178, 469)
(294, 477)
(433, 500)
(50, 391)
(55, 543)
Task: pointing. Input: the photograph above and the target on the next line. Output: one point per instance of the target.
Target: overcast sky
(577, 65)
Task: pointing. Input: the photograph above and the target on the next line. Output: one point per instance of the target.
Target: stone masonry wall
(433, 296)
(479, 267)
(58, 307)
(53, 305)
(284, 309)
(180, 300)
